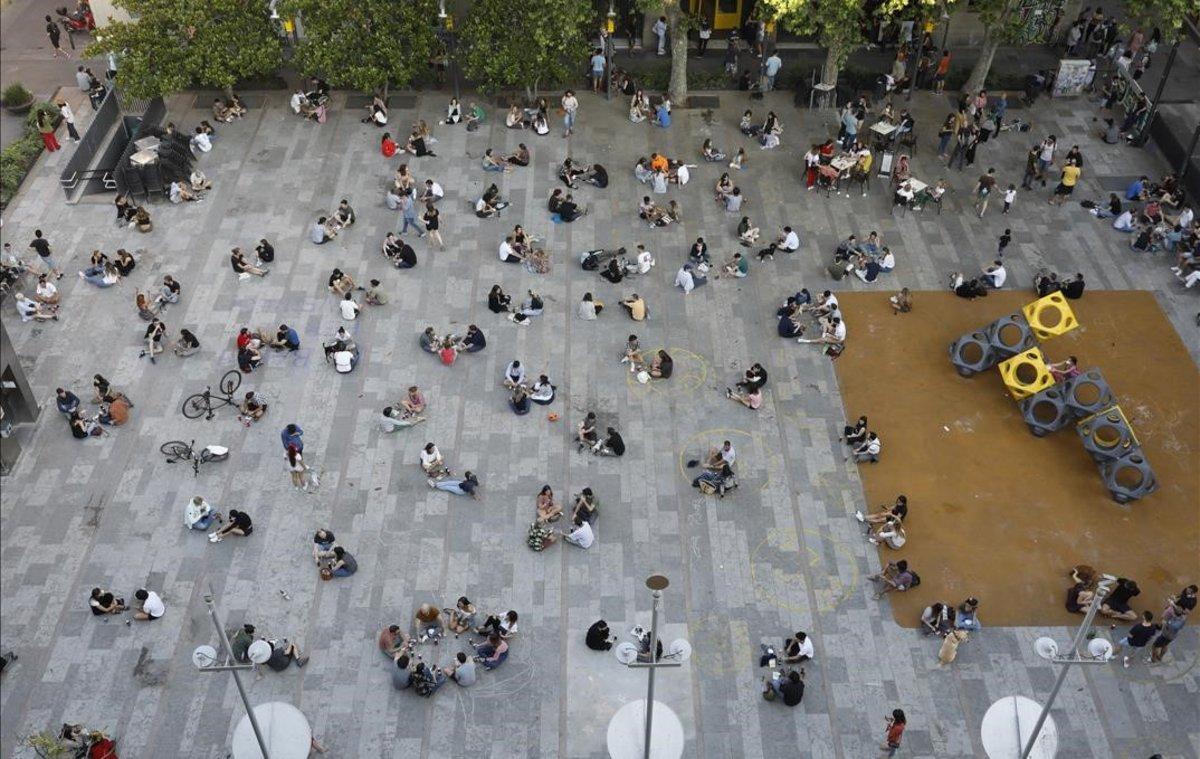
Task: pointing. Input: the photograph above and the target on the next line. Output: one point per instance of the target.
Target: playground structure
(1049, 403)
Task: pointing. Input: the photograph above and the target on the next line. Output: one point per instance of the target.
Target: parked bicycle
(177, 450)
(205, 404)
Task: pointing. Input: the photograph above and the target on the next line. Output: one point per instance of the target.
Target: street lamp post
(447, 24)
(233, 669)
(610, 25)
(1073, 657)
(657, 584)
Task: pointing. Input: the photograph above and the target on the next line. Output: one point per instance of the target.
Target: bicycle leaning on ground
(177, 450)
(205, 404)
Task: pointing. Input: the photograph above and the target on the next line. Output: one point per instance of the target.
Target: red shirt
(894, 732)
(448, 355)
(388, 147)
(243, 340)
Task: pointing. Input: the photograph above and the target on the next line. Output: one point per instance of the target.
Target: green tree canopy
(840, 26)
(524, 43)
(171, 44)
(365, 44)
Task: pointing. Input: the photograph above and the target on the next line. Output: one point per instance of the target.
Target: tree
(525, 43)
(1003, 23)
(678, 24)
(365, 45)
(172, 44)
(841, 26)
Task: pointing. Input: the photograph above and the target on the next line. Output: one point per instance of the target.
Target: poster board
(1073, 76)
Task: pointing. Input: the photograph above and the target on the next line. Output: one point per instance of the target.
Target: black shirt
(407, 255)
(1141, 633)
(239, 266)
(265, 252)
(666, 366)
(475, 340)
(1120, 596)
(900, 511)
(597, 637)
(431, 220)
(242, 521)
(615, 442)
(41, 246)
(793, 692)
(1073, 289)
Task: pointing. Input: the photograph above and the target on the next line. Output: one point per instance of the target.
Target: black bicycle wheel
(231, 382)
(176, 450)
(196, 406)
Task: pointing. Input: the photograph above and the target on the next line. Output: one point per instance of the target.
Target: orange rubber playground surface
(994, 511)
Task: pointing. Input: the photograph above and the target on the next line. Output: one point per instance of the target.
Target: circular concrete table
(1008, 724)
(627, 732)
(285, 730)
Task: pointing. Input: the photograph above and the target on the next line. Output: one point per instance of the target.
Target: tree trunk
(678, 89)
(228, 92)
(979, 74)
(829, 72)
(385, 89)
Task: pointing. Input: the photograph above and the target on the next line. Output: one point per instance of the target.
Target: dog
(949, 649)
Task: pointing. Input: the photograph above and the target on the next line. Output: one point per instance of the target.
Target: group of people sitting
(620, 265)
(659, 172)
(942, 619)
(405, 413)
(588, 438)
(640, 110)
(535, 117)
(520, 247)
(500, 302)
(717, 474)
(523, 393)
(767, 133)
(563, 208)
(439, 477)
(1162, 222)
(864, 444)
(113, 411)
(430, 624)
(885, 526)
(799, 309)
(749, 388)
(866, 259)
(447, 347)
(312, 103)
(581, 532)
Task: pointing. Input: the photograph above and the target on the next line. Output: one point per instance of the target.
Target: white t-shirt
(888, 261)
(684, 279)
(874, 446)
(644, 262)
(683, 175)
(46, 289)
(729, 456)
(791, 241)
(343, 361)
(506, 250)
(806, 648)
(583, 536)
(349, 309)
(515, 374)
(839, 331)
(999, 274)
(153, 605)
(427, 459)
(435, 190)
(202, 142)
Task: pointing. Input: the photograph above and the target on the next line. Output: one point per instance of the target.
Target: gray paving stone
(780, 554)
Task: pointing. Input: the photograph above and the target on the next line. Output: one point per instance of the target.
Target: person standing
(660, 31)
(54, 34)
(771, 69)
(1066, 185)
(1173, 620)
(46, 127)
(433, 225)
(68, 117)
(1138, 636)
(939, 74)
(983, 191)
(292, 437)
(598, 65)
(570, 106)
(408, 208)
(895, 730)
(705, 34)
(42, 246)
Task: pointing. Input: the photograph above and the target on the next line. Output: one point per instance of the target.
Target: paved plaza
(781, 553)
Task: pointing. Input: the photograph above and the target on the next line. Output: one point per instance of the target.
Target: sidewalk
(28, 59)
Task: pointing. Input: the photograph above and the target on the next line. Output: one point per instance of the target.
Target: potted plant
(17, 99)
